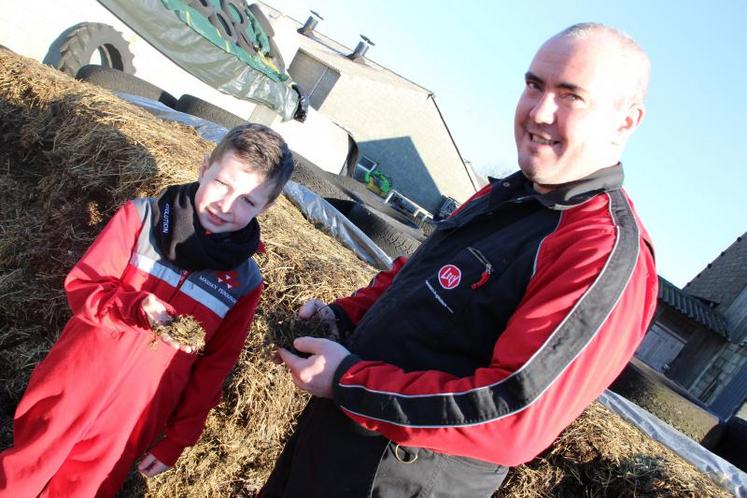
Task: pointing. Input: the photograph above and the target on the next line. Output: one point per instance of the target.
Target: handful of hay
(185, 330)
(285, 331)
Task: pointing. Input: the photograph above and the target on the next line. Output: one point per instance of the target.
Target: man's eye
(572, 97)
(533, 85)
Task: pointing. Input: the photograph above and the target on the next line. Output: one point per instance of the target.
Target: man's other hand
(316, 308)
(315, 373)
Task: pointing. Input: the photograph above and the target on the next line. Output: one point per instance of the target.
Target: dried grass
(71, 153)
(183, 329)
(602, 455)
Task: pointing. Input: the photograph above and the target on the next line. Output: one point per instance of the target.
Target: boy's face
(229, 196)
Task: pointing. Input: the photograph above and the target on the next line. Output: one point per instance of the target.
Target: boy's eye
(249, 201)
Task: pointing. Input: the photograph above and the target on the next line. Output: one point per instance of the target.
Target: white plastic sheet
(727, 475)
(331, 221)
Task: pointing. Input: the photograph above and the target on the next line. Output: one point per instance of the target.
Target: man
(508, 321)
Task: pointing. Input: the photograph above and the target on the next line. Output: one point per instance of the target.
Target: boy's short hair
(262, 150)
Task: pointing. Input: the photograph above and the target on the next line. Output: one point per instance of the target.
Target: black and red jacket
(505, 324)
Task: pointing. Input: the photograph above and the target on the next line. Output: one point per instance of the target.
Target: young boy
(104, 394)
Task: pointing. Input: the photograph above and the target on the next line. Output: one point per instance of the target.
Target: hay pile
(71, 153)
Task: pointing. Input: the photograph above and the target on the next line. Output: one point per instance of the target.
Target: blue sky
(686, 167)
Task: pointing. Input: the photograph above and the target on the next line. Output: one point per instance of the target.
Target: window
(363, 168)
(315, 78)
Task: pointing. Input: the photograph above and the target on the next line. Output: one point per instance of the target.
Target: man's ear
(203, 167)
(631, 120)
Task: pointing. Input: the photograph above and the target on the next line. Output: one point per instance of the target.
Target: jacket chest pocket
(456, 283)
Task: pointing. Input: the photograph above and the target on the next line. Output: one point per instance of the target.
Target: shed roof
(692, 307)
(724, 278)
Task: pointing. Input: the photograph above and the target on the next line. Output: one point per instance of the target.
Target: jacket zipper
(485, 275)
(182, 278)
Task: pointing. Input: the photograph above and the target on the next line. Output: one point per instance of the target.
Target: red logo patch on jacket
(449, 276)
(229, 278)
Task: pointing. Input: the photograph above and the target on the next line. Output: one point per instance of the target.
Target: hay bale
(71, 153)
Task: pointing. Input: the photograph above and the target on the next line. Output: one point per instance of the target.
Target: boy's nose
(224, 204)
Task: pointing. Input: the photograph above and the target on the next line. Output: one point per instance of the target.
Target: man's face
(229, 196)
(571, 119)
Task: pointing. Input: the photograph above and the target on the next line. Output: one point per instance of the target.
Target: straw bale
(71, 153)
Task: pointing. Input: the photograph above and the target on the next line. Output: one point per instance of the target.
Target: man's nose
(543, 111)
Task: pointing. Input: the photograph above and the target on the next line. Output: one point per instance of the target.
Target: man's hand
(315, 373)
(316, 308)
(155, 311)
(151, 466)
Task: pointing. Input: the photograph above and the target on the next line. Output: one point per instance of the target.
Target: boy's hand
(151, 466)
(315, 373)
(316, 308)
(174, 343)
(155, 311)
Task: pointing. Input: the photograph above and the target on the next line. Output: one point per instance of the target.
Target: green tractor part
(379, 183)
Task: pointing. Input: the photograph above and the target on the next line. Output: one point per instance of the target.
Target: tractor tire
(733, 442)
(262, 19)
(358, 191)
(392, 241)
(342, 205)
(117, 81)
(427, 227)
(74, 47)
(276, 57)
(661, 397)
(190, 104)
(315, 179)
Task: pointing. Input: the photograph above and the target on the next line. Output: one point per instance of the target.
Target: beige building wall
(401, 129)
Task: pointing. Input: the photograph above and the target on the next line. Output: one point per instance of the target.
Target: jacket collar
(565, 196)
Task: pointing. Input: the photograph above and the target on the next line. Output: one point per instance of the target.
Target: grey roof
(724, 278)
(396, 122)
(334, 55)
(692, 307)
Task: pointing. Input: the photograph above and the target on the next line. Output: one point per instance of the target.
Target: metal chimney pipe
(308, 27)
(360, 51)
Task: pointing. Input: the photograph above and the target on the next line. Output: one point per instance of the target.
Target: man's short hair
(262, 150)
(637, 59)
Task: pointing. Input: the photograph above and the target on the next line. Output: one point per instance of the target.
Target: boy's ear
(203, 167)
(268, 206)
